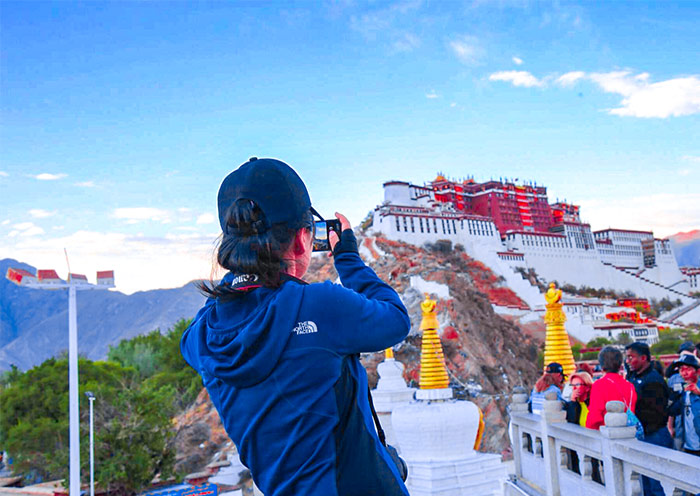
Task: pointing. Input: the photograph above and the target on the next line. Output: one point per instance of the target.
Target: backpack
(633, 420)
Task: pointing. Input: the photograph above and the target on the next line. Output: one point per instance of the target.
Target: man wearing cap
(652, 404)
(676, 385)
(686, 406)
(280, 357)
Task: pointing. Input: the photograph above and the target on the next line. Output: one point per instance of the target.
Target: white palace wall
(407, 215)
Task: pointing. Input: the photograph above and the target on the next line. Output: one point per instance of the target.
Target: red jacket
(608, 388)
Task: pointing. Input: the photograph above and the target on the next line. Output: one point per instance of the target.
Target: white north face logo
(305, 327)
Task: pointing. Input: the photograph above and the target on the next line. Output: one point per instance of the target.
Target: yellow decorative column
(433, 381)
(557, 347)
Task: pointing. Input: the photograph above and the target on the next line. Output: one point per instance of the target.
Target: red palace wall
(511, 207)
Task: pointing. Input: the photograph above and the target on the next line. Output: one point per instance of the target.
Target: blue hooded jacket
(282, 369)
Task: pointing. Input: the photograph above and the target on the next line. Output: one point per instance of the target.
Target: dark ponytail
(250, 245)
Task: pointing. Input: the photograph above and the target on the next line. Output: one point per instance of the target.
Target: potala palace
(513, 228)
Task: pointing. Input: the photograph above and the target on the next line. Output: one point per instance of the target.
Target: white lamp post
(91, 397)
(48, 279)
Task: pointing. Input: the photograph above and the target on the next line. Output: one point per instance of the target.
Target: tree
(623, 338)
(598, 342)
(133, 431)
(9, 376)
(158, 360)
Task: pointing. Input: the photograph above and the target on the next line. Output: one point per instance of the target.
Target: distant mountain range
(34, 322)
(686, 246)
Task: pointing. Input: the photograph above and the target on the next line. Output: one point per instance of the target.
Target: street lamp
(91, 397)
(48, 279)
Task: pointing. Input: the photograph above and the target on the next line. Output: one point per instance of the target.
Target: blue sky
(119, 120)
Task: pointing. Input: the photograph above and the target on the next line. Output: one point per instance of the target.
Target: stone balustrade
(555, 458)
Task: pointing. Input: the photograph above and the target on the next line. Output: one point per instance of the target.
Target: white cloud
(4, 174)
(691, 158)
(641, 98)
(25, 229)
(570, 78)
(139, 262)
(134, 215)
(383, 21)
(684, 172)
(38, 213)
(674, 97)
(49, 177)
(5, 222)
(664, 213)
(467, 49)
(432, 95)
(206, 219)
(86, 184)
(407, 42)
(517, 61)
(453, 104)
(516, 78)
(620, 82)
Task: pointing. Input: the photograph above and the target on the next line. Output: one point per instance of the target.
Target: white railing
(556, 458)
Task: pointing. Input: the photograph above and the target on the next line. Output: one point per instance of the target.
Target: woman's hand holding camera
(334, 238)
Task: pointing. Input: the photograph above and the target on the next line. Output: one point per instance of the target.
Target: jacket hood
(240, 341)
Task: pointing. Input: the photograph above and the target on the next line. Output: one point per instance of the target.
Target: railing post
(518, 405)
(616, 429)
(552, 413)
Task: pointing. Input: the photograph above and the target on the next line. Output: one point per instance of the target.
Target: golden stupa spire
(433, 374)
(388, 353)
(557, 347)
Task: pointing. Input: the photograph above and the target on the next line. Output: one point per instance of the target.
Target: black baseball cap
(554, 368)
(686, 346)
(689, 360)
(273, 185)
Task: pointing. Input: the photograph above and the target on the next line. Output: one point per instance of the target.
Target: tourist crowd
(663, 404)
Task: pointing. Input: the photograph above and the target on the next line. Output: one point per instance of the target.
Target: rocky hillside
(486, 355)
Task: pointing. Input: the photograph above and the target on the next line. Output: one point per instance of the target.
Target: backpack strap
(627, 404)
(380, 431)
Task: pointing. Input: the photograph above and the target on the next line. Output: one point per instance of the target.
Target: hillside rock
(200, 434)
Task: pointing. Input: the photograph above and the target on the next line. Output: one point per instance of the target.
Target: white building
(570, 252)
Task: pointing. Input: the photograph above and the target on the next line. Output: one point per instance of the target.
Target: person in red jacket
(612, 386)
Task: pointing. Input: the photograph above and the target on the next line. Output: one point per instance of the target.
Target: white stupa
(438, 434)
(391, 391)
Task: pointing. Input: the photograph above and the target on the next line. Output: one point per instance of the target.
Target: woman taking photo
(280, 357)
